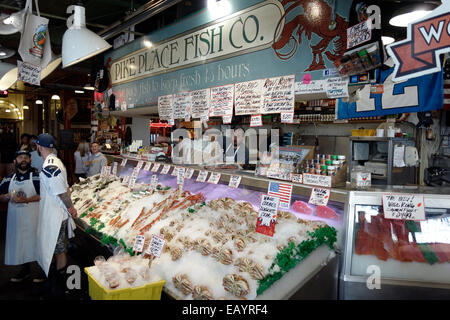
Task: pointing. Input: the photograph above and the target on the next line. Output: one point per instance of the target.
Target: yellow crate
(151, 291)
(363, 132)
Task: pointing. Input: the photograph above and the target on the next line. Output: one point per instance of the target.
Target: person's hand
(16, 199)
(73, 212)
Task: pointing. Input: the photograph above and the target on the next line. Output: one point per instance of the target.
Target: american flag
(282, 191)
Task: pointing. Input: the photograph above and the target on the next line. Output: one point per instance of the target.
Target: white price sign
(165, 169)
(29, 73)
(363, 179)
(148, 165)
(234, 181)
(139, 242)
(156, 246)
(154, 182)
(132, 182)
(214, 178)
(317, 180)
(189, 172)
(126, 180)
(140, 164)
(287, 117)
(298, 178)
(404, 207)
(180, 176)
(103, 172)
(155, 167)
(227, 119)
(202, 175)
(204, 118)
(124, 162)
(135, 172)
(174, 171)
(256, 121)
(114, 169)
(319, 196)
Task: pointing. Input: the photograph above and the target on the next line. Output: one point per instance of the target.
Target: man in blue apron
(55, 215)
(21, 189)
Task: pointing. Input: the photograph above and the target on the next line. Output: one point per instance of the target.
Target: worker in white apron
(56, 210)
(22, 190)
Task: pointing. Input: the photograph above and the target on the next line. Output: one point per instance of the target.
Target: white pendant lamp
(55, 97)
(10, 24)
(8, 75)
(5, 52)
(54, 63)
(402, 20)
(79, 43)
(38, 101)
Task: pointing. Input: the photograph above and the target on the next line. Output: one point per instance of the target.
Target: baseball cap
(45, 140)
(20, 152)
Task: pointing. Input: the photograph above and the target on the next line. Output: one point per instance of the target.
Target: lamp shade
(54, 63)
(55, 97)
(8, 75)
(5, 52)
(78, 42)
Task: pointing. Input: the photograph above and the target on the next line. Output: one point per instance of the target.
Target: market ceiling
(105, 16)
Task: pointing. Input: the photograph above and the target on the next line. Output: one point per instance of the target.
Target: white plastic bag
(34, 41)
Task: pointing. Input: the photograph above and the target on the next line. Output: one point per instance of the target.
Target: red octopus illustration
(316, 18)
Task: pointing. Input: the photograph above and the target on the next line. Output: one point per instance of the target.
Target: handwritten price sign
(404, 207)
(148, 166)
(202, 175)
(155, 167)
(214, 178)
(138, 245)
(126, 180)
(234, 181)
(165, 169)
(267, 215)
(154, 182)
(287, 117)
(189, 172)
(156, 246)
(319, 196)
(114, 169)
(124, 162)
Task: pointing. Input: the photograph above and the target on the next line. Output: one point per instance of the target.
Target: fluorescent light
(79, 43)
(79, 91)
(403, 20)
(55, 97)
(219, 8)
(38, 101)
(387, 40)
(2, 53)
(25, 107)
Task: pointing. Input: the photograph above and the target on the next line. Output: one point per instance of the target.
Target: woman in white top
(81, 156)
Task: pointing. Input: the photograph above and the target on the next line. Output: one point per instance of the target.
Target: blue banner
(414, 95)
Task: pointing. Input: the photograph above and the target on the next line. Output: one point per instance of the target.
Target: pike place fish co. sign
(427, 39)
(249, 30)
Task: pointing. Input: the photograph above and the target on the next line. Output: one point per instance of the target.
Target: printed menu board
(165, 107)
(200, 101)
(222, 99)
(248, 97)
(181, 105)
(278, 94)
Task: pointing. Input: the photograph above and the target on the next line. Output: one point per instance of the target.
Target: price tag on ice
(227, 119)
(103, 172)
(156, 246)
(124, 162)
(147, 166)
(319, 196)
(298, 178)
(202, 175)
(154, 182)
(287, 117)
(165, 169)
(135, 172)
(267, 216)
(180, 176)
(256, 121)
(155, 167)
(132, 182)
(189, 172)
(404, 207)
(126, 180)
(174, 171)
(114, 168)
(140, 164)
(234, 181)
(139, 242)
(214, 177)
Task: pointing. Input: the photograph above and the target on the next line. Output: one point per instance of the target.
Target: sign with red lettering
(427, 39)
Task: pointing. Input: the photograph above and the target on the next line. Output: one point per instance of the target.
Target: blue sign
(414, 95)
(257, 40)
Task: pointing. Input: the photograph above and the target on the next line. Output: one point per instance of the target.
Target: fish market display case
(396, 259)
(225, 259)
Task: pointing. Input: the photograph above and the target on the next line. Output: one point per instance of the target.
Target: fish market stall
(211, 248)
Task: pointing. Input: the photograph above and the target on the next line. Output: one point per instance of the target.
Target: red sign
(418, 55)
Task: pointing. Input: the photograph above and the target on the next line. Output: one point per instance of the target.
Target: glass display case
(318, 266)
(396, 259)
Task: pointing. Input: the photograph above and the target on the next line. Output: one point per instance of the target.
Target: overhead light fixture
(8, 75)
(25, 107)
(13, 23)
(88, 87)
(16, 109)
(402, 20)
(79, 43)
(147, 44)
(7, 110)
(387, 40)
(38, 101)
(55, 97)
(5, 52)
(54, 63)
(219, 8)
(79, 91)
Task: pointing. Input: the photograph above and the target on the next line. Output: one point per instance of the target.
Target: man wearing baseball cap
(55, 215)
(21, 189)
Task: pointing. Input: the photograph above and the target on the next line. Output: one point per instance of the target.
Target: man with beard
(21, 189)
(55, 216)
